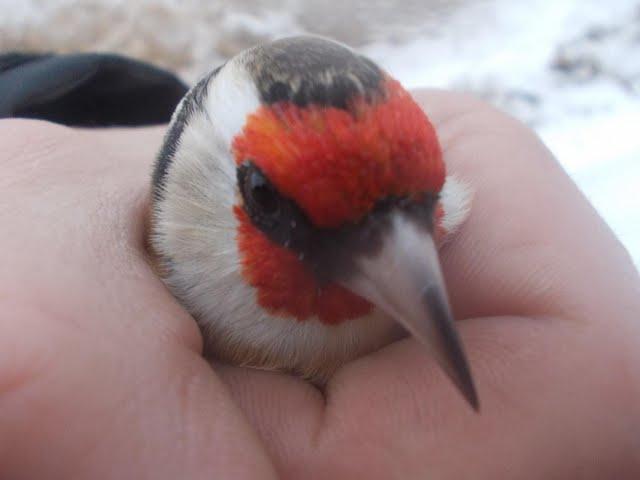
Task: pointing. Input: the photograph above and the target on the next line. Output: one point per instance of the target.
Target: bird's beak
(403, 278)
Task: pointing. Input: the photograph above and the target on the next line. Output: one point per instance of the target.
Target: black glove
(89, 90)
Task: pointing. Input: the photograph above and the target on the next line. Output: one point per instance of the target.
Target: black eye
(278, 217)
(259, 193)
(262, 202)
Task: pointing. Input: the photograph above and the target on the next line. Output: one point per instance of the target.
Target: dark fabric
(89, 90)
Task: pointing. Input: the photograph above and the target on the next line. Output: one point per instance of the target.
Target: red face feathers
(336, 165)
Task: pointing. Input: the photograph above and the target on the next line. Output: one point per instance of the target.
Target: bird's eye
(261, 200)
(277, 216)
(261, 194)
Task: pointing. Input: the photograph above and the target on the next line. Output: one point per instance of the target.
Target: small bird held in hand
(297, 203)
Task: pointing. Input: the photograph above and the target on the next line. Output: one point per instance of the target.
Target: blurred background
(568, 68)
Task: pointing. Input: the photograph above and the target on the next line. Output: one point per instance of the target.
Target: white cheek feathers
(456, 198)
(231, 97)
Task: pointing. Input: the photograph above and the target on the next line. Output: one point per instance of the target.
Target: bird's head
(296, 201)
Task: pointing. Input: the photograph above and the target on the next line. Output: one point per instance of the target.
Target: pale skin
(101, 374)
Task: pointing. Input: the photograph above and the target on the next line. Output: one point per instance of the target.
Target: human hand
(549, 304)
(100, 369)
(100, 373)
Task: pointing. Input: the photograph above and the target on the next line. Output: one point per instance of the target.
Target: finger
(73, 206)
(532, 243)
(100, 372)
(287, 413)
(548, 410)
(73, 405)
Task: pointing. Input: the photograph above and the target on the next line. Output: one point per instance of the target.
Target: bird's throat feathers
(336, 164)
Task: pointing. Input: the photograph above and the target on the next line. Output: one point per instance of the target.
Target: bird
(297, 205)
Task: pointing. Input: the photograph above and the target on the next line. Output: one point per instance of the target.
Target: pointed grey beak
(404, 279)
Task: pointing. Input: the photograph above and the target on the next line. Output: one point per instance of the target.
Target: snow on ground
(568, 68)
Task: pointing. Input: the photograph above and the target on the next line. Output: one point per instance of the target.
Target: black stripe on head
(193, 102)
(308, 70)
